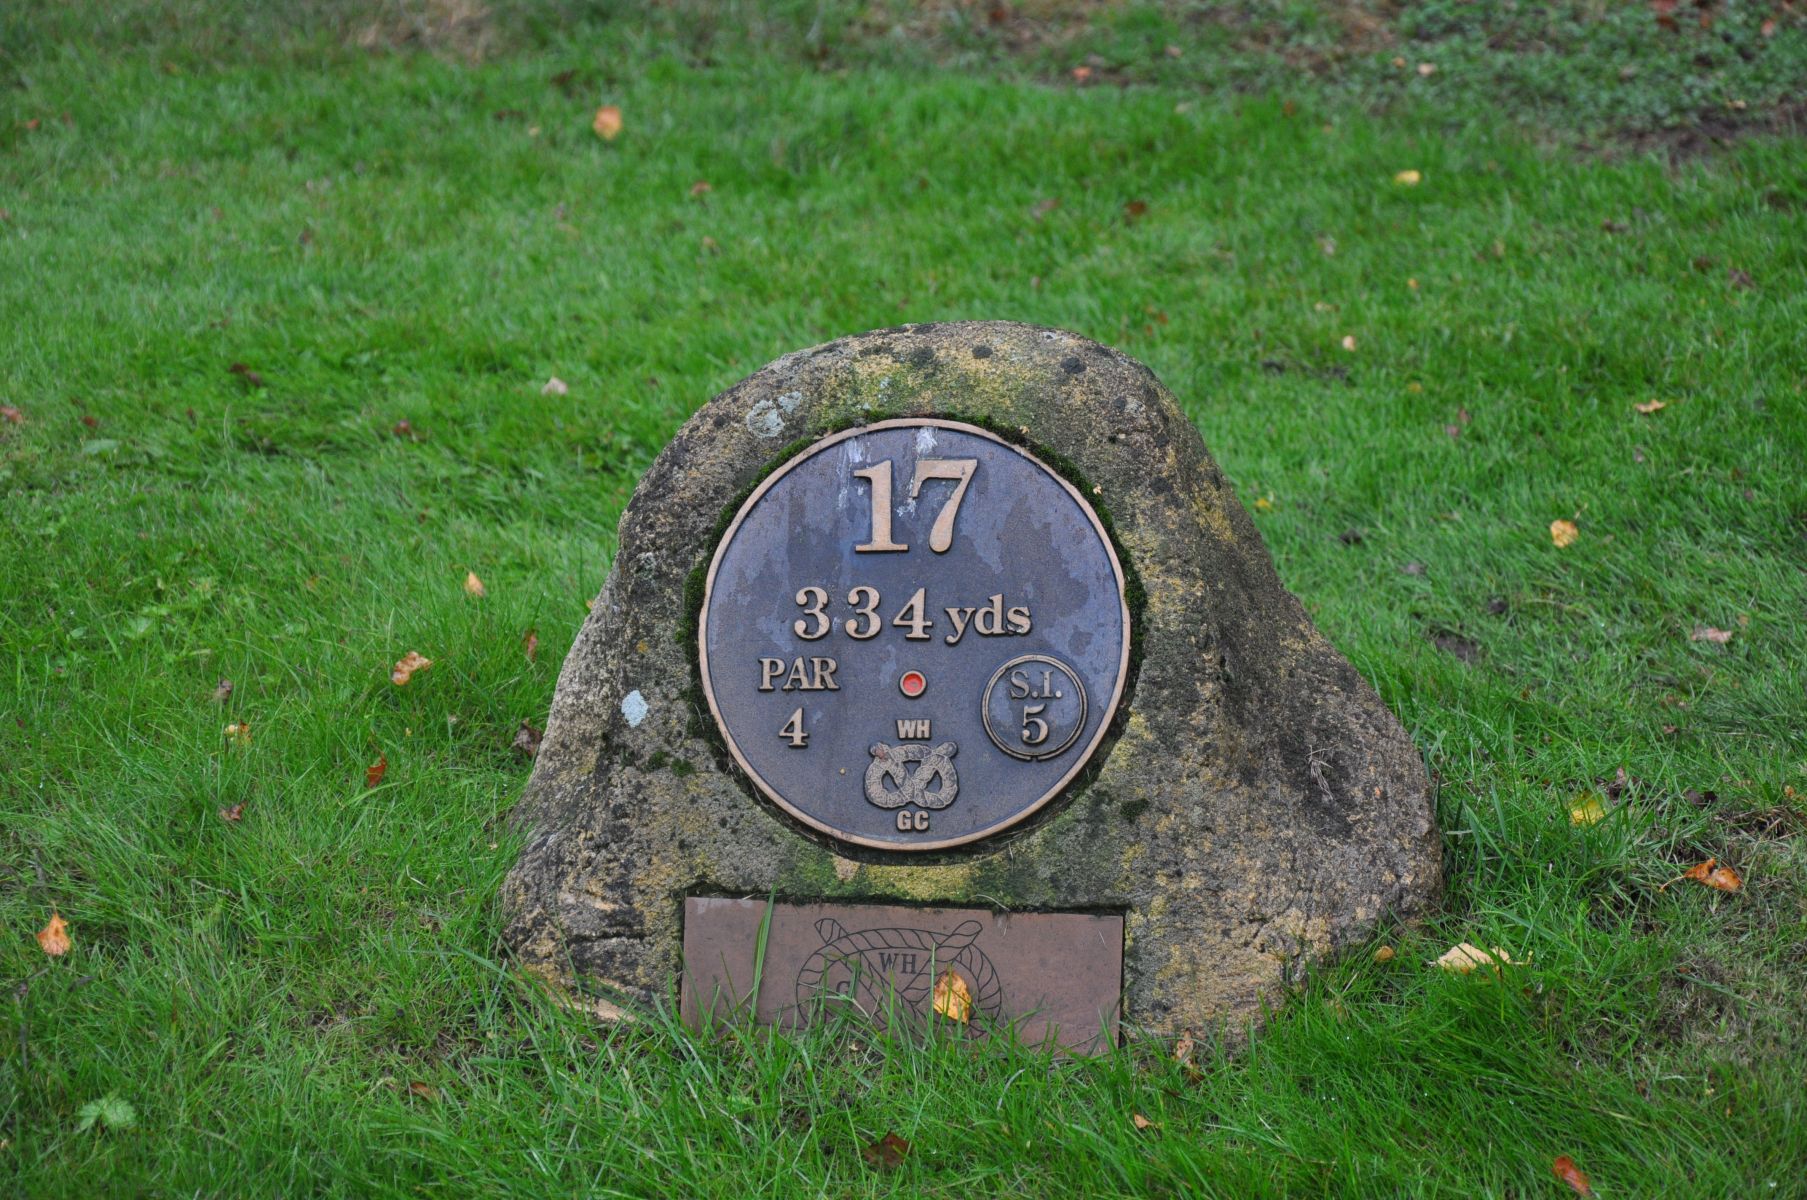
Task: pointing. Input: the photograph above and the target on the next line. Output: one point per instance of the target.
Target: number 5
(1031, 721)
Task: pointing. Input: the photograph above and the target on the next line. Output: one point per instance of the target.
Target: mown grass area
(311, 1000)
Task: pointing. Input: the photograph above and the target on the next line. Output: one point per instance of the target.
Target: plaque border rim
(1081, 760)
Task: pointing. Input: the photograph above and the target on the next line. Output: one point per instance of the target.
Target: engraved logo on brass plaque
(891, 783)
(870, 965)
(1050, 976)
(899, 593)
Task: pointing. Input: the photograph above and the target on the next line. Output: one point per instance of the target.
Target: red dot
(912, 684)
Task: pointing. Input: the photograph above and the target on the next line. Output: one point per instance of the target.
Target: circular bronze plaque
(913, 635)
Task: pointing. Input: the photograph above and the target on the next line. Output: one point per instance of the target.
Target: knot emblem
(890, 783)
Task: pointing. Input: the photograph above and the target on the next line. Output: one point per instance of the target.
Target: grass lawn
(1408, 383)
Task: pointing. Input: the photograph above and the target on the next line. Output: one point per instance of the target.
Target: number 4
(941, 534)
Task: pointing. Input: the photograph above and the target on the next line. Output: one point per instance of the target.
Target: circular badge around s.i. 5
(913, 635)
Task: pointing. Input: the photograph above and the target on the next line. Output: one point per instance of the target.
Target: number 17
(941, 533)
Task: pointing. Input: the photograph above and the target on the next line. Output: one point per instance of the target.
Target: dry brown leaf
(9, 413)
(1710, 874)
(530, 642)
(1408, 178)
(526, 740)
(222, 692)
(953, 999)
(886, 1153)
(1768, 28)
(1385, 954)
(1706, 633)
(373, 774)
(239, 732)
(1587, 809)
(1651, 406)
(425, 1091)
(1134, 209)
(700, 188)
(1184, 1048)
(54, 937)
(405, 669)
(1465, 958)
(1081, 74)
(555, 387)
(1563, 533)
(1699, 870)
(1724, 879)
(474, 586)
(1565, 1169)
(607, 123)
(1141, 1122)
(232, 815)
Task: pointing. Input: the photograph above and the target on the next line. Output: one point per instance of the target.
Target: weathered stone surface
(1258, 809)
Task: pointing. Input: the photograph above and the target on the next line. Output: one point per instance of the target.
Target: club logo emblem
(868, 965)
(890, 783)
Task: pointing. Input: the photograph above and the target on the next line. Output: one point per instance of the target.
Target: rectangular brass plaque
(1052, 975)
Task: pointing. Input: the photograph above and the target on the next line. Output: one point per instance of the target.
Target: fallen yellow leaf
(1650, 406)
(473, 585)
(1408, 178)
(54, 937)
(1587, 809)
(1563, 533)
(405, 669)
(607, 123)
(1565, 1169)
(1706, 633)
(953, 999)
(1384, 955)
(1142, 1122)
(1722, 879)
(1264, 503)
(1463, 959)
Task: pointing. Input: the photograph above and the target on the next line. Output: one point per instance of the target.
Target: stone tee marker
(939, 667)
